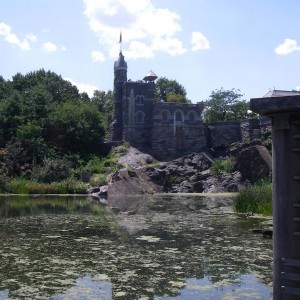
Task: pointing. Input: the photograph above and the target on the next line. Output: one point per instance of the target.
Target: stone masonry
(169, 130)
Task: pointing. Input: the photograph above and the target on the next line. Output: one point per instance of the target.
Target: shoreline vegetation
(24, 186)
(255, 198)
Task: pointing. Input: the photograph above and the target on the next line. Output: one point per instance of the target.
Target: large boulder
(131, 182)
(254, 163)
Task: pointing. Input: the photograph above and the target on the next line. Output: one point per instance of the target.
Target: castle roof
(151, 76)
(280, 93)
(121, 63)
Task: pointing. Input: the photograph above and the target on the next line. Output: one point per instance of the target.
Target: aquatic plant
(256, 198)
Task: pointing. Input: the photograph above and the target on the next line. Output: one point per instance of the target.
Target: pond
(161, 247)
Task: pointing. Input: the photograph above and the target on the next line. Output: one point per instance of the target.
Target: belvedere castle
(167, 129)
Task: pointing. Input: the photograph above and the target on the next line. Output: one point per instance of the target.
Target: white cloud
(12, 38)
(84, 87)
(31, 37)
(138, 50)
(199, 42)
(51, 47)
(288, 46)
(171, 46)
(97, 56)
(144, 26)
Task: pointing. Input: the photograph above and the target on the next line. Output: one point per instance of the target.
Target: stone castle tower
(120, 77)
(168, 129)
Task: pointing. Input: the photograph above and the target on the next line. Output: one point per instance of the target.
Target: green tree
(76, 127)
(225, 105)
(60, 89)
(104, 102)
(170, 91)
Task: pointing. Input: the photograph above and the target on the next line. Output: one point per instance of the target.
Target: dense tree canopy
(225, 105)
(104, 102)
(42, 115)
(170, 91)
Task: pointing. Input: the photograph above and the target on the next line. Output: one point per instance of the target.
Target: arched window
(139, 117)
(139, 100)
(178, 116)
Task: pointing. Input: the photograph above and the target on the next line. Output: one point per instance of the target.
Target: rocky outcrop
(254, 163)
(132, 182)
(188, 174)
(134, 158)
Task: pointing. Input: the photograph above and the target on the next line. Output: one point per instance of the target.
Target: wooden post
(285, 114)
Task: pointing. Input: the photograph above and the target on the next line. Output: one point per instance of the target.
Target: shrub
(17, 186)
(95, 165)
(122, 148)
(98, 180)
(256, 198)
(102, 165)
(221, 166)
(51, 170)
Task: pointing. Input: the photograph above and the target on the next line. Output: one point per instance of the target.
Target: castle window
(139, 100)
(178, 116)
(192, 117)
(139, 117)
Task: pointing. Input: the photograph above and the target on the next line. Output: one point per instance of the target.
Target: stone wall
(138, 98)
(220, 134)
(250, 128)
(177, 129)
(138, 136)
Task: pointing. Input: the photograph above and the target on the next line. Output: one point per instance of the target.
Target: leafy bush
(121, 149)
(256, 198)
(51, 170)
(221, 166)
(102, 165)
(95, 165)
(98, 180)
(17, 186)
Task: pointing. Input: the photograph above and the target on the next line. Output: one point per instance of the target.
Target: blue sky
(251, 45)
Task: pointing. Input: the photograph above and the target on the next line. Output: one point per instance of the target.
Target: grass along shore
(25, 186)
(255, 198)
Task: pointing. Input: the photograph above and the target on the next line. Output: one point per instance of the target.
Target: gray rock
(94, 190)
(103, 191)
(254, 163)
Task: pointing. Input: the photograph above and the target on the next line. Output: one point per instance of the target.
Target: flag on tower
(120, 41)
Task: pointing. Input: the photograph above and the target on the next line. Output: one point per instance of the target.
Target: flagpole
(120, 41)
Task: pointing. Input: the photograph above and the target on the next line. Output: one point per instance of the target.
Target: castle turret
(120, 76)
(150, 77)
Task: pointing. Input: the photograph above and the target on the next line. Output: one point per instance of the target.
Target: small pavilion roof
(151, 76)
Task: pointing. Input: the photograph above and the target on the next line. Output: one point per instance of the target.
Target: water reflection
(165, 247)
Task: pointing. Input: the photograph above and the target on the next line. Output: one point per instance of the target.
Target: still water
(163, 247)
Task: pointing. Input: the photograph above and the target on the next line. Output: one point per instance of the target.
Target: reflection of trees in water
(18, 206)
(46, 254)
